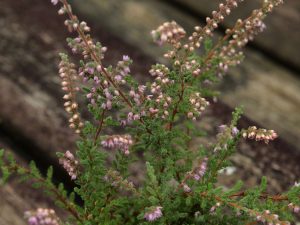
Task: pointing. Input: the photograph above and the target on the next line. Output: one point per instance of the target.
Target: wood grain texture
(31, 106)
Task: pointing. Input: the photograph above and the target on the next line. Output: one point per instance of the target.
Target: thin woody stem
(243, 208)
(263, 196)
(99, 126)
(68, 205)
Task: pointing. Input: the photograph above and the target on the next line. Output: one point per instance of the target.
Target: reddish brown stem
(175, 111)
(68, 205)
(99, 126)
(245, 209)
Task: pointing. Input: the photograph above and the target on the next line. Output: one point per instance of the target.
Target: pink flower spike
(70, 164)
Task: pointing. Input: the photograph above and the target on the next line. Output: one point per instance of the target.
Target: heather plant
(151, 126)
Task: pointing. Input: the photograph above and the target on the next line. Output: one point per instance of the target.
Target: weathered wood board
(269, 92)
(30, 91)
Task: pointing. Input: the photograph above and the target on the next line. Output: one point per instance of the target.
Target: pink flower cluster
(122, 70)
(245, 31)
(224, 128)
(138, 95)
(214, 207)
(116, 180)
(270, 4)
(198, 106)
(191, 65)
(154, 214)
(102, 89)
(104, 81)
(267, 218)
(186, 188)
(161, 107)
(89, 71)
(196, 174)
(68, 75)
(70, 164)
(133, 116)
(108, 98)
(74, 24)
(259, 134)
(42, 217)
(199, 172)
(211, 23)
(160, 72)
(169, 32)
(122, 142)
(54, 2)
(294, 208)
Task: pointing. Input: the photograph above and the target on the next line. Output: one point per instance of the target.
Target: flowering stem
(251, 212)
(68, 205)
(212, 52)
(98, 61)
(183, 182)
(263, 196)
(94, 56)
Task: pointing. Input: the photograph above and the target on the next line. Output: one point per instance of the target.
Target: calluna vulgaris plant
(157, 121)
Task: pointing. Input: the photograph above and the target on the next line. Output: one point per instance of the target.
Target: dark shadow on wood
(29, 151)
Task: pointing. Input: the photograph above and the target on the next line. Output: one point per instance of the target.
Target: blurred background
(33, 124)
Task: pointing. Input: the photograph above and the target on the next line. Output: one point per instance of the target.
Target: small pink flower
(234, 131)
(154, 215)
(90, 70)
(186, 188)
(122, 142)
(200, 171)
(33, 221)
(42, 216)
(54, 2)
(126, 58)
